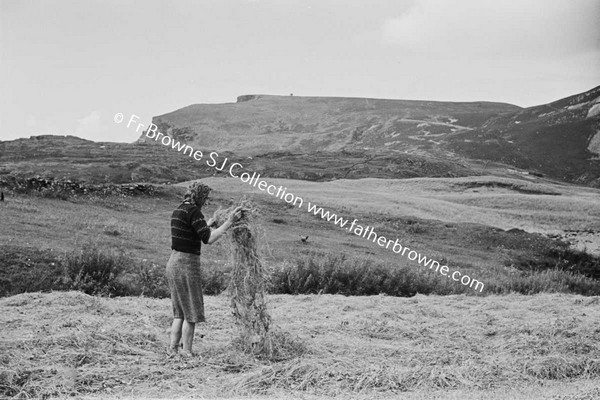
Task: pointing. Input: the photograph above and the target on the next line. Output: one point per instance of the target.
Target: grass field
(500, 202)
(460, 220)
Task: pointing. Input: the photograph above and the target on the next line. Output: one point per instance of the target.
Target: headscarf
(197, 193)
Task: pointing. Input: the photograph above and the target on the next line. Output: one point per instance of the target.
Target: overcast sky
(66, 67)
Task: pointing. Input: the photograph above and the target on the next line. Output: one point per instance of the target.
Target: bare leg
(176, 334)
(188, 335)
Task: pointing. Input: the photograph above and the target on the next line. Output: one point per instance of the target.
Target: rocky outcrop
(247, 97)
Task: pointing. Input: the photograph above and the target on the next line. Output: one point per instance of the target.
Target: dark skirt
(185, 283)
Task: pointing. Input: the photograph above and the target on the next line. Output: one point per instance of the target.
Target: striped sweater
(188, 229)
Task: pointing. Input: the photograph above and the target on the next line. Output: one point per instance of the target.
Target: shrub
(338, 274)
(214, 281)
(577, 261)
(91, 270)
(94, 271)
(416, 229)
(104, 272)
(151, 280)
(321, 272)
(562, 258)
(548, 281)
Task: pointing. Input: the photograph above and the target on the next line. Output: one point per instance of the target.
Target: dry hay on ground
(69, 343)
(72, 344)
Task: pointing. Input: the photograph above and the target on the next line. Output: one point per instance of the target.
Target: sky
(67, 66)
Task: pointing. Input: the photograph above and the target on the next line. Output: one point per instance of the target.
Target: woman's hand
(210, 222)
(235, 215)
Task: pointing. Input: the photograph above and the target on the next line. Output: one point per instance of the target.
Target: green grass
(29, 270)
(453, 200)
(139, 228)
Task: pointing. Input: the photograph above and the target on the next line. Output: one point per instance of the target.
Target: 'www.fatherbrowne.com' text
(236, 170)
(370, 234)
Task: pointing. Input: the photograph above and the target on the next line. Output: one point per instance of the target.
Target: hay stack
(249, 279)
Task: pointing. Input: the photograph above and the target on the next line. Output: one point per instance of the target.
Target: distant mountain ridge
(559, 139)
(322, 139)
(259, 124)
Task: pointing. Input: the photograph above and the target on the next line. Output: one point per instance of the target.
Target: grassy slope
(307, 124)
(509, 347)
(551, 138)
(83, 160)
(441, 218)
(503, 203)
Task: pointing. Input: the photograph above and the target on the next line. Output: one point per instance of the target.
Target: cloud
(502, 28)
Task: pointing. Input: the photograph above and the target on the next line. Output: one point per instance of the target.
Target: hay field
(425, 347)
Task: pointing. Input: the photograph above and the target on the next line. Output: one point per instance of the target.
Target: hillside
(72, 158)
(558, 139)
(261, 124)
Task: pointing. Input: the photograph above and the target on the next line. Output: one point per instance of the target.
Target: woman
(188, 231)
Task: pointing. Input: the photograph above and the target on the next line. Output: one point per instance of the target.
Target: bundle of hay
(249, 279)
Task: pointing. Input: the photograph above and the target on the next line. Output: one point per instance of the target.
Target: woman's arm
(215, 234)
